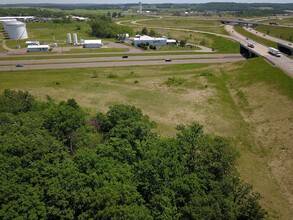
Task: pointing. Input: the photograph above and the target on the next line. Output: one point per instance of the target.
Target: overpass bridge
(248, 52)
(239, 22)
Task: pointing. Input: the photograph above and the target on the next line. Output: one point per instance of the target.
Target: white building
(15, 29)
(92, 44)
(28, 43)
(38, 48)
(154, 41)
(171, 42)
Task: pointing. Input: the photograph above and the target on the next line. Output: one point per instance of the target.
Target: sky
(136, 1)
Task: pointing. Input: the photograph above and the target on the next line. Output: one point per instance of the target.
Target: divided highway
(283, 62)
(112, 63)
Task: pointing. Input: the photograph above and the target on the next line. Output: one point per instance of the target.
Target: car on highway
(168, 60)
(124, 57)
(251, 45)
(18, 65)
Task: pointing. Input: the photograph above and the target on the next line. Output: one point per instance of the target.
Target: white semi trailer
(274, 52)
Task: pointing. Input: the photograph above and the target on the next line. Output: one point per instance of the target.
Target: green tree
(144, 31)
(16, 102)
(152, 33)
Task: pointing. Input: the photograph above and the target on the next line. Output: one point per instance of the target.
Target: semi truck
(274, 52)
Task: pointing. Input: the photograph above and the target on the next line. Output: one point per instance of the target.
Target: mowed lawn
(249, 102)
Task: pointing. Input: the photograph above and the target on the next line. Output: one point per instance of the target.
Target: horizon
(113, 2)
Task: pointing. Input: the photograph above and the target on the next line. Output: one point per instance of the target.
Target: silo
(69, 40)
(16, 30)
(75, 41)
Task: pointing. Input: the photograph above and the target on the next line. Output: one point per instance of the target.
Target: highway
(121, 63)
(109, 59)
(283, 62)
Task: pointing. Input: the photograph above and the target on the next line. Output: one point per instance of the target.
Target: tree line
(58, 162)
(104, 27)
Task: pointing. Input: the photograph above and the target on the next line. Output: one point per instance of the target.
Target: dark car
(251, 45)
(124, 56)
(168, 60)
(18, 65)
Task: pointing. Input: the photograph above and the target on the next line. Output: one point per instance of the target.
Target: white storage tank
(16, 30)
(69, 40)
(75, 41)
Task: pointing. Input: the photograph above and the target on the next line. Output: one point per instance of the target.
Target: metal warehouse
(38, 48)
(92, 44)
(154, 41)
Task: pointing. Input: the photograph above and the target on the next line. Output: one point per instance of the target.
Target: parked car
(124, 56)
(18, 65)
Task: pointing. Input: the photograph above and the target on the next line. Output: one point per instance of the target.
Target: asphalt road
(130, 58)
(283, 62)
(112, 64)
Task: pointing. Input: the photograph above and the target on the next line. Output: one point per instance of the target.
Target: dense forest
(58, 162)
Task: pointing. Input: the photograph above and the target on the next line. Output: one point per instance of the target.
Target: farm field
(285, 33)
(250, 106)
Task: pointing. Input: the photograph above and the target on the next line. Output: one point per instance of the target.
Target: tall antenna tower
(140, 8)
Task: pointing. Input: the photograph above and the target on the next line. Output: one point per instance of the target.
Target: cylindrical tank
(4, 21)
(69, 40)
(16, 30)
(75, 41)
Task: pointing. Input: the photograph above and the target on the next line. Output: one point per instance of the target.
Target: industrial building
(38, 48)
(154, 41)
(92, 44)
(15, 29)
(28, 43)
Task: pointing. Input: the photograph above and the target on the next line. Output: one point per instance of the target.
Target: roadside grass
(94, 50)
(261, 40)
(249, 102)
(174, 48)
(285, 33)
(92, 55)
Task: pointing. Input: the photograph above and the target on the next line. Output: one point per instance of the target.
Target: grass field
(261, 40)
(43, 32)
(285, 33)
(251, 106)
(281, 21)
(191, 23)
(222, 45)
